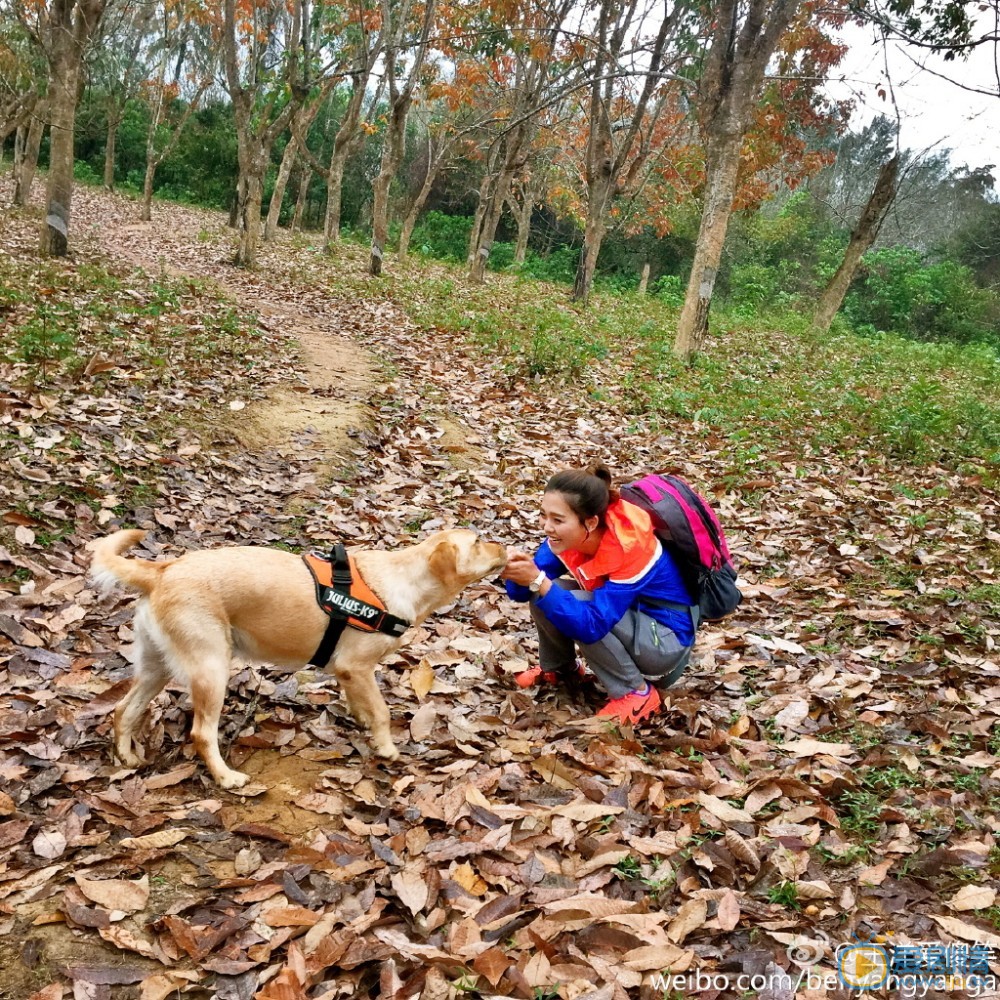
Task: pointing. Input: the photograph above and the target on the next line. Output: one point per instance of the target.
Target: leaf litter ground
(827, 770)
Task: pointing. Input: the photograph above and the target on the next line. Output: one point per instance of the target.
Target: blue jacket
(590, 621)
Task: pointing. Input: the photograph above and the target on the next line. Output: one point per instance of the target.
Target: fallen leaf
(410, 885)
(690, 917)
(49, 844)
(424, 719)
(728, 914)
(154, 841)
(973, 897)
(813, 748)
(876, 874)
(966, 932)
(469, 880)
(723, 810)
(127, 895)
(422, 679)
(655, 958)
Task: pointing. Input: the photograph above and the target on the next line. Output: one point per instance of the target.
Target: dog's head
(460, 557)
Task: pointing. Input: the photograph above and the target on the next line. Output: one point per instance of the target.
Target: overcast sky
(932, 110)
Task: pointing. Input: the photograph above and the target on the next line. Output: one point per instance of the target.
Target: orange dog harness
(348, 600)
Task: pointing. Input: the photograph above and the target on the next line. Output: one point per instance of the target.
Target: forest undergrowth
(828, 769)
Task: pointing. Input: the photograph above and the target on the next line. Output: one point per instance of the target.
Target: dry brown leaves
(517, 846)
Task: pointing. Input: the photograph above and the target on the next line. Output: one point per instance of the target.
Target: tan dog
(200, 609)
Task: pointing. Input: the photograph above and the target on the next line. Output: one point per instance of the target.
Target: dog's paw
(388, 751)
(232, 779)
(128, 758)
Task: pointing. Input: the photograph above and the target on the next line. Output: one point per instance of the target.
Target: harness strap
(334, 595)
(341, 568)
(334, 629)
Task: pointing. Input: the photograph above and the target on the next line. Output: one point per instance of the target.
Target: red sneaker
(634, 706)
(535, 675)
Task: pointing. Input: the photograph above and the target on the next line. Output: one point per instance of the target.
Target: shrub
(559, 265)
(940, 301)
(501, 256)
(443, 236)
(86, 174)
(669, 288)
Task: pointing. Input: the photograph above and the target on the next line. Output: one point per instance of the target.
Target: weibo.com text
(910, 986)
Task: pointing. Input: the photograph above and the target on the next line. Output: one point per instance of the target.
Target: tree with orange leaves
(183, 37)
(271, 54)
(529, 63)
(406, 29)
(733, 93)
(627, 66)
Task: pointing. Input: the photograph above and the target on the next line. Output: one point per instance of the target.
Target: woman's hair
(588, 492)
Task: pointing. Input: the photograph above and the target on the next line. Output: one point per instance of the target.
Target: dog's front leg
(366, 703)
(208, 692)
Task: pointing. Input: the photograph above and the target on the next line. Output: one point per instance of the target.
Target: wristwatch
(536, 584)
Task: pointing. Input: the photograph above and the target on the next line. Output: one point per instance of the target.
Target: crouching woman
(624, 603)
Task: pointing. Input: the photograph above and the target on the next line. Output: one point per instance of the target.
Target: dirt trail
(339, 375)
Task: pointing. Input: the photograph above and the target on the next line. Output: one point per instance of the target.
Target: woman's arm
(588, 621)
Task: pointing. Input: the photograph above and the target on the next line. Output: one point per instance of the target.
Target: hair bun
(600, 470)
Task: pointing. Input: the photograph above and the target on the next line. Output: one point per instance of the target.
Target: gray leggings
(637, 649)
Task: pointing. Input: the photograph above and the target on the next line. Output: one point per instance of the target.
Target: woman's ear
(591, 524)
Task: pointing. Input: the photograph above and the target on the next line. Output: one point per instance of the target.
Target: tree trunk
(62, 121)
(524, 222)
(14, 114)
(720, 185)
(236, 206)
(644, 280)
(146, 208)
(344, 144)
(745, 34)
(499, 192)
(592, 238)
(114, 122)
(477, 219)
(300, 123)
(278, 195)
(392, 157)
(380, 220)
(253, 196)
(300, 201)
(433, 166)
(20, 139)
(29, 161)
(334, 189)
(491, 219)
(598, 199)
(862, 237)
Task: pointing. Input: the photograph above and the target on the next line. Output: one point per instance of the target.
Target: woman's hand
(520, 569)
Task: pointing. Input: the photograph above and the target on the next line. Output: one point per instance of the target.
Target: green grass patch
(770, 385)
(93, 357)
(63, 317)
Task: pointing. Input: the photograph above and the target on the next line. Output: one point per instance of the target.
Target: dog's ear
(443, 562)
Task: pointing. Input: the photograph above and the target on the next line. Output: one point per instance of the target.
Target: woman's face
(562, 527)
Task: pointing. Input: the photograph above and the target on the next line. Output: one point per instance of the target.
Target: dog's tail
(107, 567)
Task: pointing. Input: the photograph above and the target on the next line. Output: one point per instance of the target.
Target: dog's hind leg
(367, 704)
(151, 676)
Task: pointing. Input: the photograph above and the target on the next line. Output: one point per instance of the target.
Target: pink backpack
(691, 532)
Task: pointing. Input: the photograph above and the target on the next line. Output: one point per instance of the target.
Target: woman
(626, 605)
